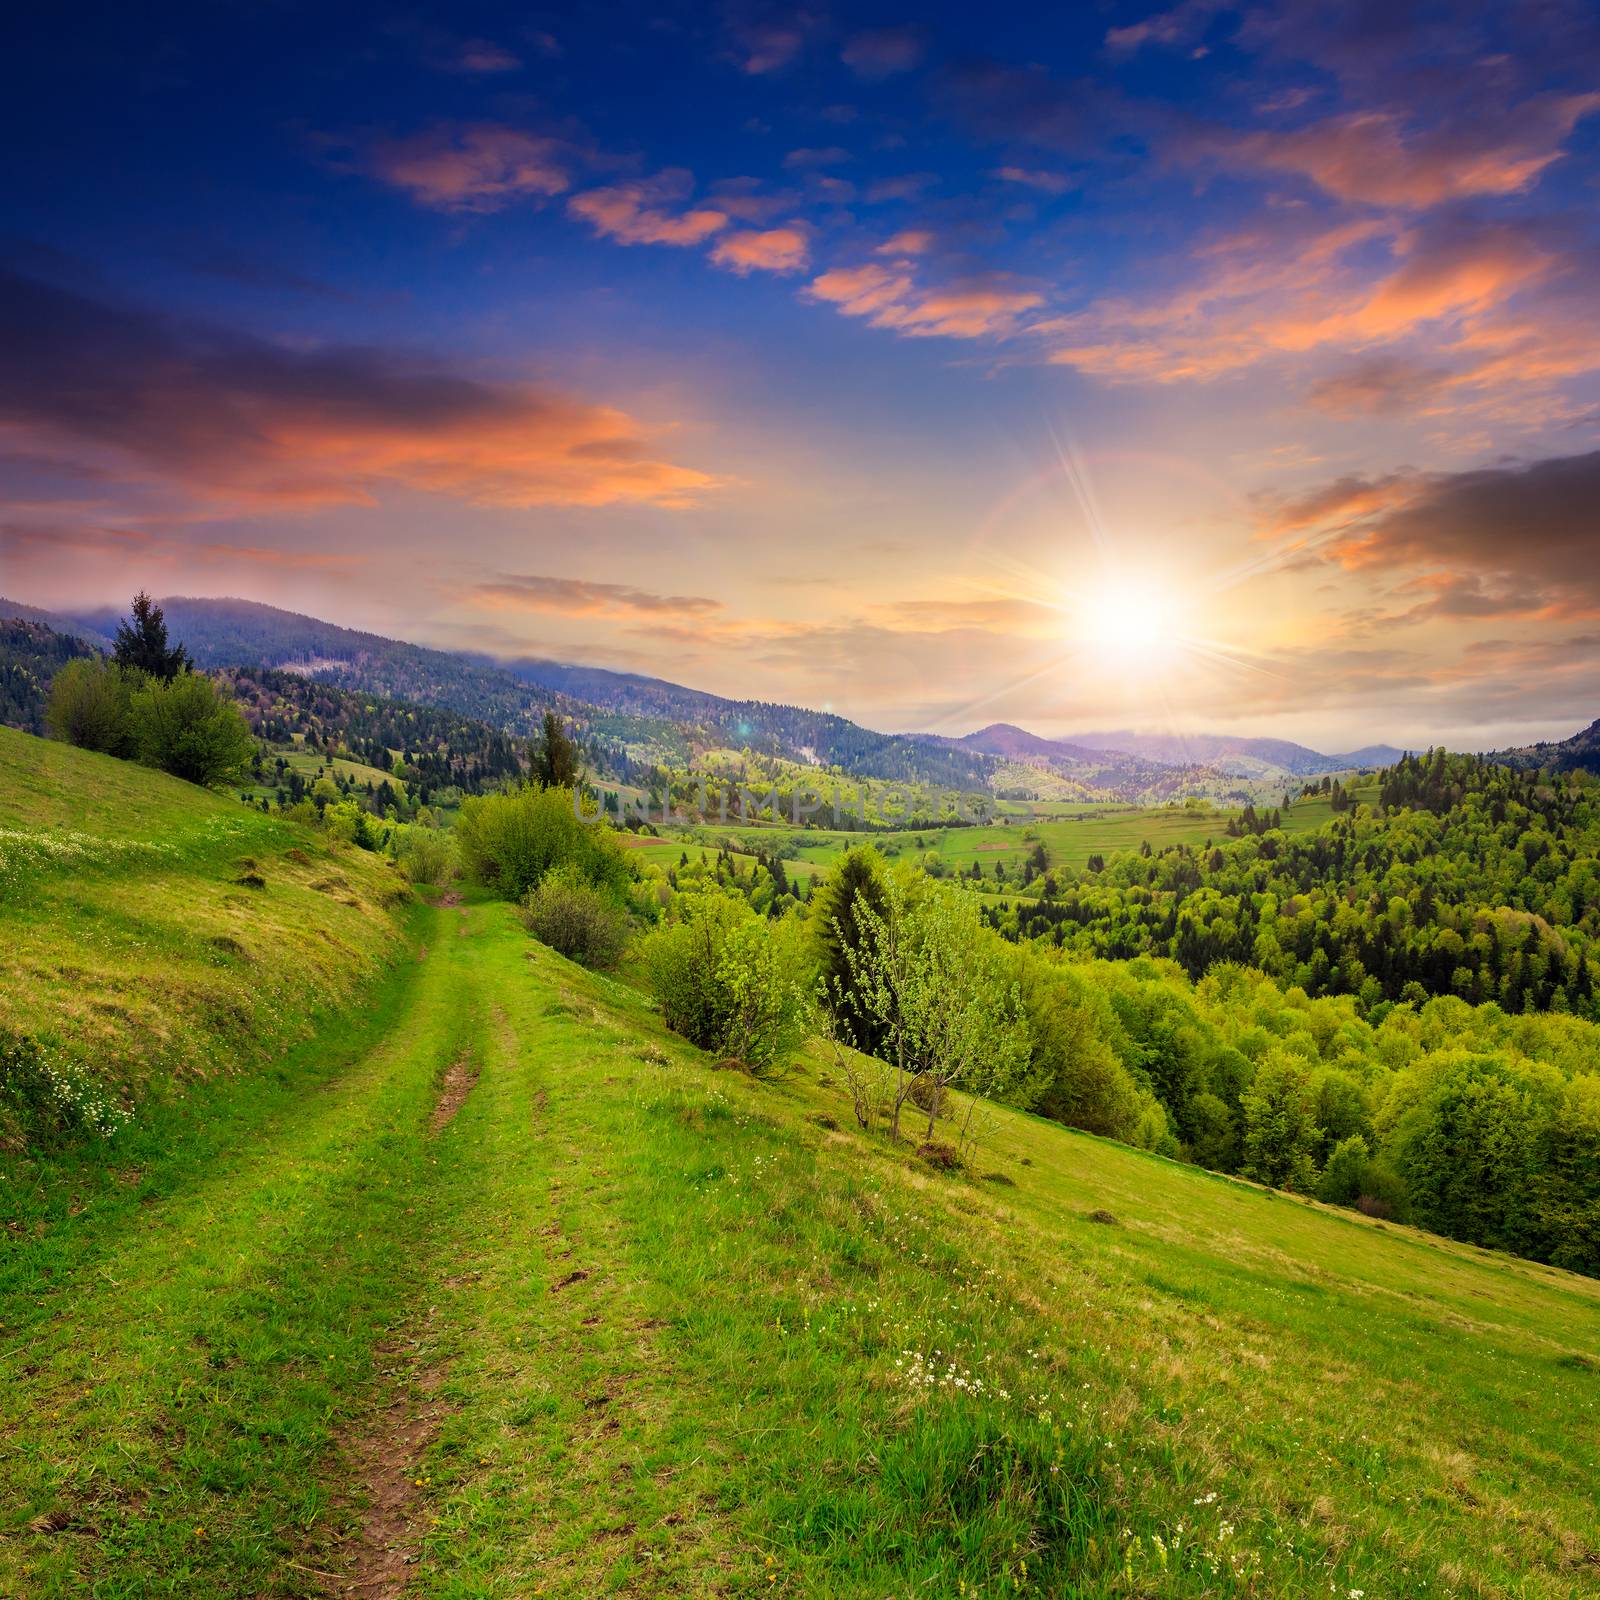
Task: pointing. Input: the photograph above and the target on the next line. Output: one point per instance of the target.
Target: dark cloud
(1507, 541)
(226, 415)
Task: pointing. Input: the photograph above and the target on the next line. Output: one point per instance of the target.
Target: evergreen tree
(142, 642)
(555, 755)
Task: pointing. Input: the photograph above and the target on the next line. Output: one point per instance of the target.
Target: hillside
(31, 653)
(1580, 752)
(155, 936)
(491, 1267)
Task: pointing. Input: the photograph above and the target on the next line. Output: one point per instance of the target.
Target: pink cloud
(644, 211)
(481, 166)
(784, 249)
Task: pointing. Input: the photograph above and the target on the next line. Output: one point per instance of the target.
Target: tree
(1280, 1133)
(556, 762)
(933, 980)
(856, 881)
(186, 728)
(90, 706)
(142, 642)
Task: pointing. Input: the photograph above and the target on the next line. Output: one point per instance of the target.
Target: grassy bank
(153, 934)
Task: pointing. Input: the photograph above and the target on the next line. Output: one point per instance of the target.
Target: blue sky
(1225, 366)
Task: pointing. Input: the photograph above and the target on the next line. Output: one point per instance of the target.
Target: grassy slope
(128, 941)
(629, 1324)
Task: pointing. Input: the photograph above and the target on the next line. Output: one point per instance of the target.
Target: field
(1070, 835)
(494, 1288)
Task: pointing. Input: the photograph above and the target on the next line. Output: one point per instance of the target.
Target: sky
(1226, 367)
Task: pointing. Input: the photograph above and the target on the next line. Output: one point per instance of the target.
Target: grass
(624, 1323)
(154, 934)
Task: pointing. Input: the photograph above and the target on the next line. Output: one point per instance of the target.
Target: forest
(1465, 878)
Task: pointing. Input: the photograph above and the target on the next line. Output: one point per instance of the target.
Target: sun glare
(1130, 624)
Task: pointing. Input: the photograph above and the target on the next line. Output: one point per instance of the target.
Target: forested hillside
(30, 656)
(1465, 878)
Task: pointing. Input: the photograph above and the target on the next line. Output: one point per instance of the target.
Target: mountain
(71, 627)
(243, 633)
(627, 718)
(1017, 744)
(1236, 753)
(1582, 750)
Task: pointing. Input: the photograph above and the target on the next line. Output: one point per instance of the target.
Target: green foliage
(1280, 1131)
(727, 979)
(91, 706)
(855, 885)
(142, 645)
(1074, 1073)
(426, 855)
(1344, 1179)
(1468, 878)
(183, 726)
(577, 920)
(934, 985)
(557, 761)
(508, 842)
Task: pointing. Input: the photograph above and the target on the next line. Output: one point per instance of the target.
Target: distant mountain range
(1235, 753)
(635, 712)
(1563, 755)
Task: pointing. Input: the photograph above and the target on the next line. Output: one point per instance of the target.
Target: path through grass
(622, 1323)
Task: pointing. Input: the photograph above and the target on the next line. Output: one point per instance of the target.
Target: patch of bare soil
(383, 1462)
(459, 1078)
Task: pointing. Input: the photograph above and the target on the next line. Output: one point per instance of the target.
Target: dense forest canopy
(1464, 878)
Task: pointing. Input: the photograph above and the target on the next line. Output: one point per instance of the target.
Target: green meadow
(469, 1279)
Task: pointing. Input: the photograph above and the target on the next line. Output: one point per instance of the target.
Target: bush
(186, 728)
(727, 979)
(508, 842)
(575, 919)
(427, 856)
(91, 706)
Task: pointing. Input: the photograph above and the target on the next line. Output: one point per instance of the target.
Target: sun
(1131, 624)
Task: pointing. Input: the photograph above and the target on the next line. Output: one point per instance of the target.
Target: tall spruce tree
(556, 762)
(142, 642)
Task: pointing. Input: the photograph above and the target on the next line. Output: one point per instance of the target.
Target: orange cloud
(1370, 156)
(236, 418)
(784, 249)
(479, 167)
(908, 242)
(638, 212)
(889, 297)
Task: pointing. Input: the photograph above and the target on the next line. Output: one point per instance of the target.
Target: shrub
(508, 842)
(91, 706)
(427, 856)
(1343, 1179)
(727, 979)
(186, 728)
(575, 919)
